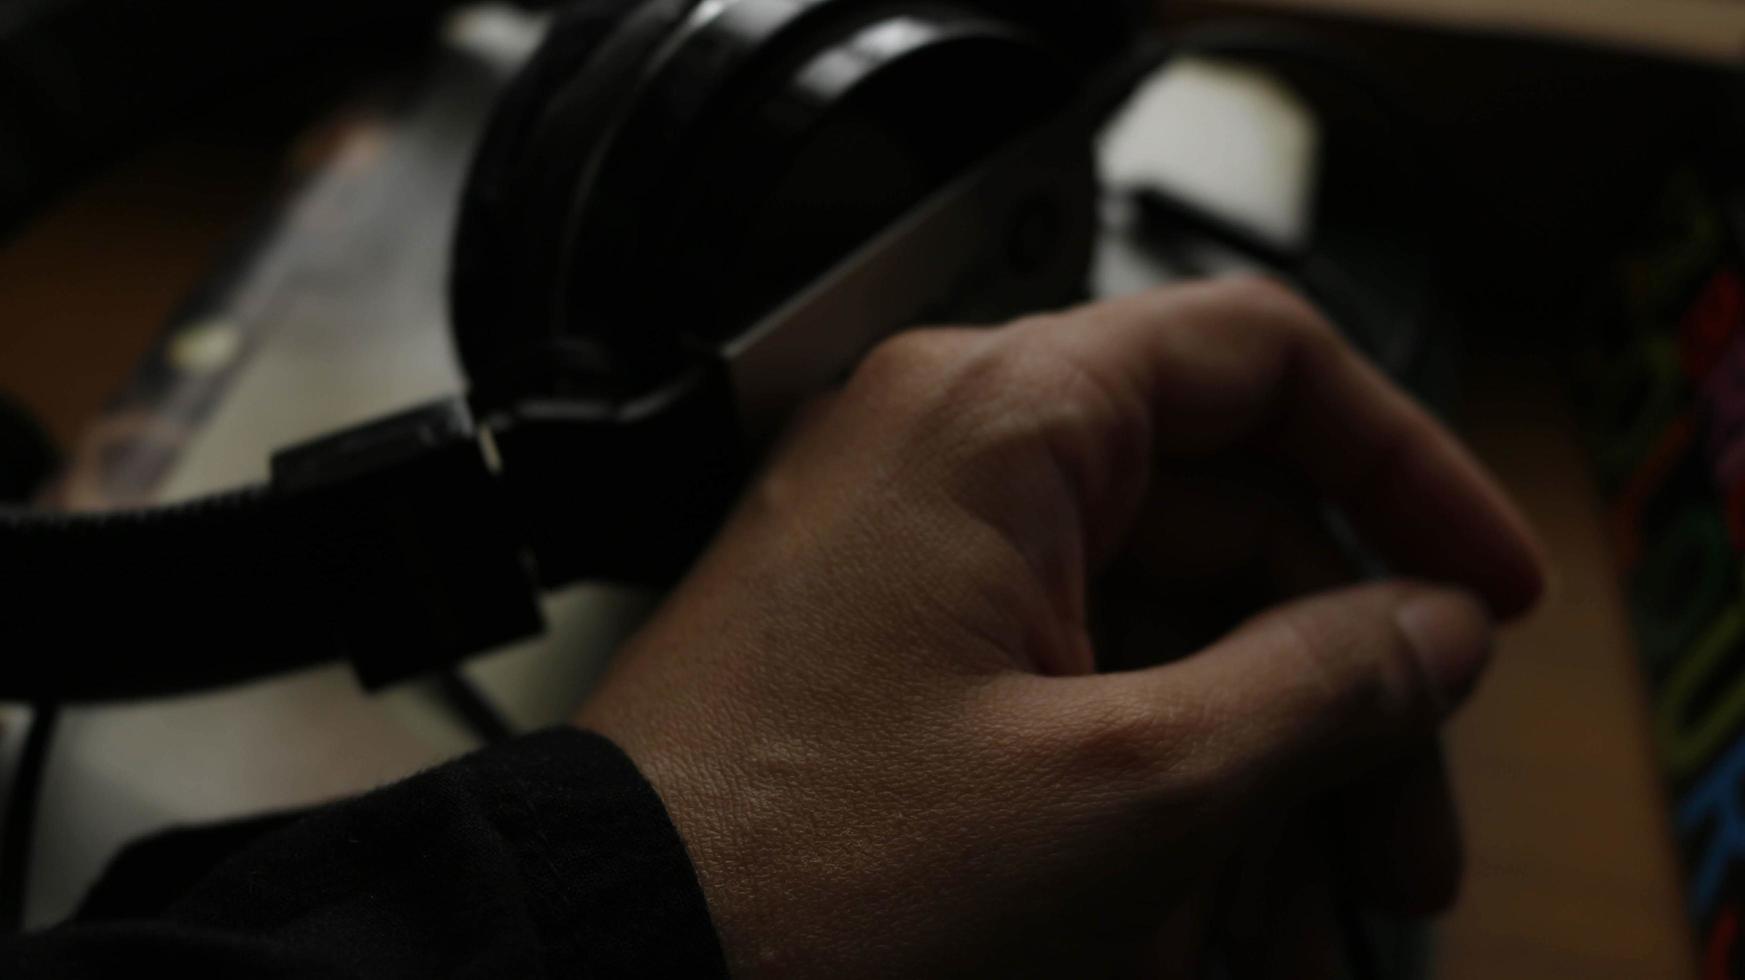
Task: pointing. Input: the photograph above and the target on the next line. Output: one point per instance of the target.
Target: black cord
(473, 708)
(1361, 961)
(21, 810)
(1161, 209)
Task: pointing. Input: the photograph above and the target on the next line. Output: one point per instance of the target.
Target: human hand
(873, 711)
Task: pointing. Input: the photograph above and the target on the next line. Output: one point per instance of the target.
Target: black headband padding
(254, 583)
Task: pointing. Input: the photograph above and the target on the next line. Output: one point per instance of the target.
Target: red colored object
(1711, 323)
(1718, 952)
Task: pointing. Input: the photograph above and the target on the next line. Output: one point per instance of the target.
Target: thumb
(1312, 694)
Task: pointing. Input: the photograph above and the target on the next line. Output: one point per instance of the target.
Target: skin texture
(879, 720)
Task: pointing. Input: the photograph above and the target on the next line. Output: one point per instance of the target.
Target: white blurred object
(1230, 137)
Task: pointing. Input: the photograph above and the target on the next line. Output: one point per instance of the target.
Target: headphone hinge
(623, 491)
(404, 534)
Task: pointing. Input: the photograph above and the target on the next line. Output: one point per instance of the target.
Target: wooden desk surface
(1705, 30)
(1571, 871)
(88, 287)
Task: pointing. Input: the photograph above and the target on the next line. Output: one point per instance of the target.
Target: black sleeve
(547, 856)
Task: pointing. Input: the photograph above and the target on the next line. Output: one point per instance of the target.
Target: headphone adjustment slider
(406, 543)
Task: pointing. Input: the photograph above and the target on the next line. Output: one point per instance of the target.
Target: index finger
(1247, 365)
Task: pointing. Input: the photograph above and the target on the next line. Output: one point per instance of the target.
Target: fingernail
(1450, 634)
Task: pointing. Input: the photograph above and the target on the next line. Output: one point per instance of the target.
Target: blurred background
(254, 254)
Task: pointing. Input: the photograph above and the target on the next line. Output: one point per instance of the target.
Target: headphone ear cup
(738, 152)
(585, 70)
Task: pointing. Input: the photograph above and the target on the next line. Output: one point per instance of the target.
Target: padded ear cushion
(795, 177)
(1086, 30)
(506, 237)
(569, 204)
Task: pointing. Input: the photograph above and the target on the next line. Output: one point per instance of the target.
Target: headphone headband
(403, 544)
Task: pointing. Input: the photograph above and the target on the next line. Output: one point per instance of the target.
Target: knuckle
(904, 357)
(1129, 737)
(1272, 298)
(1272, 307)
(1119, 735)
(1331, 662)
(1039, 413)
(1011, 380)
(1026, 378)
(993, 380)
(1010, 404)
(1318, 347)
(1019, 366)
(1363, 679)
(1173, 760)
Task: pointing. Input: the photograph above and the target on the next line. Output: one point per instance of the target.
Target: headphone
(658, 180)
(737, 147)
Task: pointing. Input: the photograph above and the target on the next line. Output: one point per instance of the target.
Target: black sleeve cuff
(546, 856)
(628, 900)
